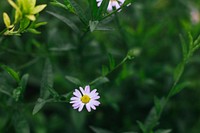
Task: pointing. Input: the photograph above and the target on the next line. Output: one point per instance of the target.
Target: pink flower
(112, 3)
(85, 97)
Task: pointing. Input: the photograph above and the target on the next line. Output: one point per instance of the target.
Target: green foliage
(25, 12)
(82, 43)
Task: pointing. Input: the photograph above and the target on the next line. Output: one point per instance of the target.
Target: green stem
(121, 63)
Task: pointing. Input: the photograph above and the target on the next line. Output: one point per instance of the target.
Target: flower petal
(82, 91)
(77, 93)
(94, 102)
(109, 7)
(81, 107)
(88, 107)
(75, 99)
(93, 91)
(115, 4)
(121, 1)
(93, 107)
(76, 104)
(87, 89)
(96, 97)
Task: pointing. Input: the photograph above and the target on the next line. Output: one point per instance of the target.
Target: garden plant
(100, 66)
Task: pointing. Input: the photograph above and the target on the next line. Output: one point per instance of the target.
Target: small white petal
(88, 107)
(74, 98)
(94, 102)
(93, 91)
(77, 93)
(115, 4)
(94, 95)
(109, 7)
(97, 97)
(99, 4)
(76, 107)
(87, 89)
(93, 107)
(121, 1)
(80, 107)
(75, 101)
(76, 104)
(82, 91)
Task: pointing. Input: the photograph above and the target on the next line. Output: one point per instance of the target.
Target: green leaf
(24, 23)
(197, 41)
(111, 62)
(141, 126)
(163, 131)
(79, 11)
(47, 80)
(73, 80)
(99, 130)
(54, 93)
(178, 71)
(68, 96)
(34, 31)
(11, 72)
(102, 9)
(17, 93)
(93, 25)
(67, 6)
(39, 24)
(66, 21)
(100, 80)
(20, 123)
(4, 90)
(159, 104)
(104, 70)
(190, 41)
(151, 120)
(39, 104)
(94, 8)
(179, 88)
(184, 48)
(62, 48)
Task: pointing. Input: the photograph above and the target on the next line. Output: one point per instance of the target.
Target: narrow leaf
(99, 130)
(73, 80)
(66, 21)
(39, 104)
(163, 131)
(53, 92)
(20, 123)
(111, 62)
(99, 81)
(93, 25)
(79, 11)
(179, 88)
(184, 47)
(94, 8)
(11, 72)
(47, 80)
(104, 70)
(67, 6)
(102, 9)
(178, 71)
(68, 96)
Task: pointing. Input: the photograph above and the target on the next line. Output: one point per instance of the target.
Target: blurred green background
(150, 27)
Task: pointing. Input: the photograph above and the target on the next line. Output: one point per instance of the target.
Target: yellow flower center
(85, 99)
